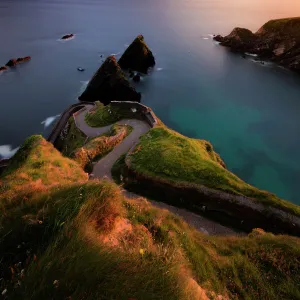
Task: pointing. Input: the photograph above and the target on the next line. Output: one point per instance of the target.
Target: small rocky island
(137, 57)
(110, 82)
(67, 36)
(277, 40)
(15, 61)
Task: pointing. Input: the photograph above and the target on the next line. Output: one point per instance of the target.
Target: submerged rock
(137, 56)
(137, 78)
(109, 83)
(67, 36)
(277, 40)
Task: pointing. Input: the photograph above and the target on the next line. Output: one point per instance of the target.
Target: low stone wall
(237, 211)
(62, 121)
(142, 112)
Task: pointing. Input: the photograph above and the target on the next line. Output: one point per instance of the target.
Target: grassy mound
(89, 242)
(102, 115)
(164, 153)
(36, 167)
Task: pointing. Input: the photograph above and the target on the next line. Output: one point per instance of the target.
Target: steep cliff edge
(277, 40)
(109, 83)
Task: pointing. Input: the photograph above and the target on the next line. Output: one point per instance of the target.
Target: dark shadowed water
(250, 112)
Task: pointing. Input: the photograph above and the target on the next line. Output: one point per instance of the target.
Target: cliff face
(277, 40)
(137, 56)
(109, 83)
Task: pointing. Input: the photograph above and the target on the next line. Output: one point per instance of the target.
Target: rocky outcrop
(108, 84)
(137, 57)
(3, 68)
(13, 62)
(277, 40)
(67, 36)
(136, 78)
(23, 59)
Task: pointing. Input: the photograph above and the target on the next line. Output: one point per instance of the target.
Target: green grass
(70, 245)
(36, 166)
(74, 139)
(103, 115)
(163, 153)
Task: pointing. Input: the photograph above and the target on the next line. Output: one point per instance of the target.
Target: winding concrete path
(102, 169)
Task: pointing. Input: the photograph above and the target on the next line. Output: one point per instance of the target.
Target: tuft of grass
(163, 153)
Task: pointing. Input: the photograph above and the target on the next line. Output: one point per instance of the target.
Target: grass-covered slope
(88, 242)
(164, 153)
(72, 239)
(36, 167)
(73, 139)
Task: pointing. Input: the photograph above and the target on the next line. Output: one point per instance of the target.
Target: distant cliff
(277, 40)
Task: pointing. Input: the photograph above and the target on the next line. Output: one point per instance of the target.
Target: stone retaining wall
(142, 112)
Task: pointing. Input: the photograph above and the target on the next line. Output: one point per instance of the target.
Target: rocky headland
(137, 57)
(110, 83)
(277, 41)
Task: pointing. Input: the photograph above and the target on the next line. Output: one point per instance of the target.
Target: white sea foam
(251, 54)
(116, 54)
(205, 38)
(159, 69)
(84, 84)
(48, 121)
(126, 45)
(6, 151)
(211, 35)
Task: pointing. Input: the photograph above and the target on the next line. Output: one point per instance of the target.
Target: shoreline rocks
(3, 68)
(277, 41)
(110, 84)
(67, 36)
(137, 57)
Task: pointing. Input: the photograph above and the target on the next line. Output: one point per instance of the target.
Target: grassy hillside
(182, 159)
(85, 240)
(36, 167)
(287, 26)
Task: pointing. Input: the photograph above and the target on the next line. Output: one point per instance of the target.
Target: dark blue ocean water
(250, 112)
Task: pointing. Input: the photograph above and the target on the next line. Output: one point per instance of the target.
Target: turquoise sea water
(250, 112)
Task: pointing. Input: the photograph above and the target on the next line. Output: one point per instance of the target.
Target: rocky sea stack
(277, 40)
(137, 57)
(109, 83)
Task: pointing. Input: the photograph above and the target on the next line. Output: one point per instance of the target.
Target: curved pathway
(102, 169)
